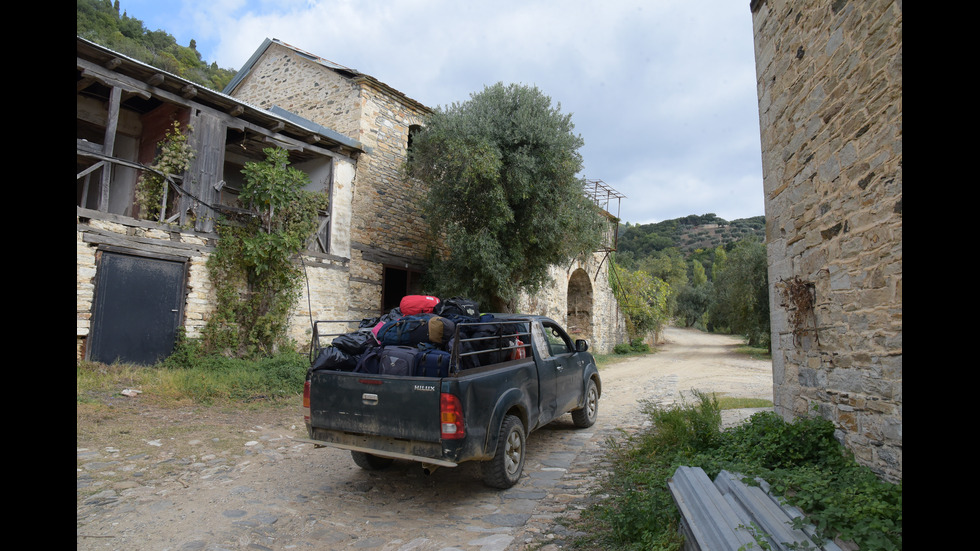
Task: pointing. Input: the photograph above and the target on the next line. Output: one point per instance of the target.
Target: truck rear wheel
(371, 462)
(504, 470)
(585, 416)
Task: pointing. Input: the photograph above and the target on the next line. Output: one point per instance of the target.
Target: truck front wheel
(371, 462)
(504, 470)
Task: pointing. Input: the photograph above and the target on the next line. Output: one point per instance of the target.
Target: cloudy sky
(662, 91)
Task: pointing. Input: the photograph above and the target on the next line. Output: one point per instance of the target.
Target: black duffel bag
(355, 343)
(334, 359)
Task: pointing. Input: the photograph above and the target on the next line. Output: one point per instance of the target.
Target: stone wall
(584, 285)
(830, 109)
(283, 78)
(385, 226)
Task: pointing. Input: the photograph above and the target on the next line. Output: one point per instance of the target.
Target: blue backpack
(416, 330)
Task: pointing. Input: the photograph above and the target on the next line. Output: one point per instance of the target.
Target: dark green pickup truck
(479, 413)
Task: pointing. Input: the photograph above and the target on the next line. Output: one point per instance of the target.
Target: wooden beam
(133, 85)
(83, 83)
(112, 121)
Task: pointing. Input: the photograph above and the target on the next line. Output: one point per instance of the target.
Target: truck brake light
(451, 415)
(306, 402)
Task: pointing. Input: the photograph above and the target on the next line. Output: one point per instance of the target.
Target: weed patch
(802, 461)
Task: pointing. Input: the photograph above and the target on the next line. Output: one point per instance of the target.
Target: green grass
(734, 402)
(188, 377)
(802, 462)
(755, 352)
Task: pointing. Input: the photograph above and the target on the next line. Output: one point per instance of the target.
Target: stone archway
(580, 305)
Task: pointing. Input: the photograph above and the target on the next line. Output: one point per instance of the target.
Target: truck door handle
(369, 399)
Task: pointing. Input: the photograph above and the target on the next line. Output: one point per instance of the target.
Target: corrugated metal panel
(708, 521)
(729, 514)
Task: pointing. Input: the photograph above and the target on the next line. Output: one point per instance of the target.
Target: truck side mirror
(581, 345)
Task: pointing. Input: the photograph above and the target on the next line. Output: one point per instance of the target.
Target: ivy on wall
(173, 159)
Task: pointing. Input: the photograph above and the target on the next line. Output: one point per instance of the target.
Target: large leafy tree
(740, 299)
(504, 198)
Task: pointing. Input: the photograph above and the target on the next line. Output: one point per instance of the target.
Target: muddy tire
(370, 462)
(586, 415)
(504, 470)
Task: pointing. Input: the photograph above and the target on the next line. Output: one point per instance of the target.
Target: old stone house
(388, 234)
(139, 282)
(830, 107)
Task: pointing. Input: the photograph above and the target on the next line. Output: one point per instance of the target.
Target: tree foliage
(643, 299)
(253, 266)
(740, 298)
(688, 234)
(101, 22)
(503, 195)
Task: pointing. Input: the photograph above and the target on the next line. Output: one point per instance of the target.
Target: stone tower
(830, 110)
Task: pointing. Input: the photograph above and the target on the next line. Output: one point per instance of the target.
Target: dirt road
(199, 479)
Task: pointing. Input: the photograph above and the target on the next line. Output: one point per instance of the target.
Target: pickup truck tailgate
(396, 407)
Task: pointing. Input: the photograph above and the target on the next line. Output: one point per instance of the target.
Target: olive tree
(503, 201)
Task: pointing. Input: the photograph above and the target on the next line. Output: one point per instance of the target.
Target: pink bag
(417, 304)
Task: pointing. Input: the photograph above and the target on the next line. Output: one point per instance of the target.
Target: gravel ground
(193, 478)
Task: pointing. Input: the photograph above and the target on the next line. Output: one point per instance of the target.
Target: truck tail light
(451, 415)
(306, 402)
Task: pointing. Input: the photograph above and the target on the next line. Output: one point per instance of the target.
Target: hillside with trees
(699, 271)
(100, 21)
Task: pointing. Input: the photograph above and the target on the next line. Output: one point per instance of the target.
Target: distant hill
(688, 234)
(100, 21)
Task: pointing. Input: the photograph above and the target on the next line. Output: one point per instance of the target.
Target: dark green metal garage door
(138, 303)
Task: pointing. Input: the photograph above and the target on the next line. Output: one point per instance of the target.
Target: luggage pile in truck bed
(423, 337)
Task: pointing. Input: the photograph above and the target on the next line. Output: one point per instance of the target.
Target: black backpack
(458, 306)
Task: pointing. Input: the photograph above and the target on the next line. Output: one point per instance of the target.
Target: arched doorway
(580, 305)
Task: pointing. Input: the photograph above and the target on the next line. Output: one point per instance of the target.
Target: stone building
(388, 233)
(830, 108)
(140, 282)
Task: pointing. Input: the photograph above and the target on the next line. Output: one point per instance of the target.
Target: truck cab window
(558, 341)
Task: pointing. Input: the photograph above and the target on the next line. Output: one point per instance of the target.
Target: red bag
(417, 304)
(518, 353)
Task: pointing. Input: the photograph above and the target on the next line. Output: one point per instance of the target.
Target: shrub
(802, 461)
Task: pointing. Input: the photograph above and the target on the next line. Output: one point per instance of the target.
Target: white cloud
(663, 92)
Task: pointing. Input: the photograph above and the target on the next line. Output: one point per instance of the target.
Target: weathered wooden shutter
(206, 170)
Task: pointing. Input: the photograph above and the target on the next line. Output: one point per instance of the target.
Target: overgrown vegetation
(254, 265)
(173, 159)
(801, 461)
(191, 376)
(101, 22)
(643, 300)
